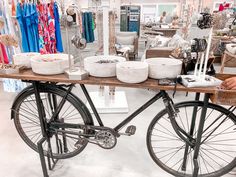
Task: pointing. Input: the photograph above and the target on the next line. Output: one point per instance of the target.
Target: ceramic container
(50, 64)
(24, 59)
(132, 72)
(102, 66)
(164, 68)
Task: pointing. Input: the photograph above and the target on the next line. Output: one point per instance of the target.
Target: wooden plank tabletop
(149, 84)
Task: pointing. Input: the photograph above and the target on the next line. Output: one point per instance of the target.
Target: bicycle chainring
(106, 139)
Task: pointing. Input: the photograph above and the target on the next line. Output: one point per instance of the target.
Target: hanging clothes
(42, 28)
(13, 8)
(58, 29)
(35, 21)
(4, 53)
(10, 85)
(29, 27)
(51, 29)
(88, 31)
(22, 24)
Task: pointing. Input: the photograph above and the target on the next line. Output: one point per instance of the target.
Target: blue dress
(35, 21)
(29, 27)
(22, 24)
(58, 29)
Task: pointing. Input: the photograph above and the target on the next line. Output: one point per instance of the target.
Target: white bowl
(132, 72)
(102, 66)
(50, 64)
(24, 59)
(163, 68)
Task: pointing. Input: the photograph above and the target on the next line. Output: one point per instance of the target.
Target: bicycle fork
(188, 137)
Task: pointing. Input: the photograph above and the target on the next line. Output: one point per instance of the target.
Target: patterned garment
(51, 28)
(46, 27)
(42, 27)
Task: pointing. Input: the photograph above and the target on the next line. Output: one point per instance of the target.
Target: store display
(161, 68)
(130, 18)
(132, 72)
(50, 64)
(67, 124)
(102, 66)
(40, 27)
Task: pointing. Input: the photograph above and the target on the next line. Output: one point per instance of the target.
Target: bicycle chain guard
(106, 139)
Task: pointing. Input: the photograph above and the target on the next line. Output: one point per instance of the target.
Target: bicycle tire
(160, 137)
(19, 121)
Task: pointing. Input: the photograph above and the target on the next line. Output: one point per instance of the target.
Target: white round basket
(50, 64)
(102, 66)
(164, 68)
(132, 72)
(24, 59)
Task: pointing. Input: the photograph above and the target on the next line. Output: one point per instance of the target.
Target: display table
(28, 75)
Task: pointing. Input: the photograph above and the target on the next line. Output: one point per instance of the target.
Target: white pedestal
(107, 104)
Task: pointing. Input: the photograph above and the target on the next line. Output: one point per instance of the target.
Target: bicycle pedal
(130, 130)
(81, 142)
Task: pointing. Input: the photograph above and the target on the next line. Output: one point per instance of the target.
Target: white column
(106, 30)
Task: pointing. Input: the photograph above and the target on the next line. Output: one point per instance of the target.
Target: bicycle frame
(45, 126)
(162, 94)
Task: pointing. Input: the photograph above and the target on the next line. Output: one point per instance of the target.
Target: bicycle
(184, 139)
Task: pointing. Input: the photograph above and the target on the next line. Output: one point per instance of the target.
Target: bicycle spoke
(218, 147)
(172, 135)
(207, 140)
(187, 119)
(63, 113)
(169, 131)
(175, 153)
(35, 121)
(204, 161)
(221, 151)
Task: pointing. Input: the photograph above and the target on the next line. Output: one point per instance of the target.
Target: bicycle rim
(27, 122)
(217, 151)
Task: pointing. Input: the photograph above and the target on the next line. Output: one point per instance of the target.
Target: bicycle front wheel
(218, 147)
(27, 123)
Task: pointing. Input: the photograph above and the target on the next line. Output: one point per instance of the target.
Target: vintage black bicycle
(194, 138)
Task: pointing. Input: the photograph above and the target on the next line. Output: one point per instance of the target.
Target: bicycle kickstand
(42, 158)
(50, 160)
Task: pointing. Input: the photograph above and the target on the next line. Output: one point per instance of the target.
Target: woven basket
(230, 60)
(223, 97)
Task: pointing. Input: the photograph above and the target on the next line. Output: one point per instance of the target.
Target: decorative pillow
(177, 41)
(231, 48)
(129, 40)
(163, 41)
(158, 41)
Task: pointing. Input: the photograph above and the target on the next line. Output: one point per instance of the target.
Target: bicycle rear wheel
(218, 148)
(26, 119)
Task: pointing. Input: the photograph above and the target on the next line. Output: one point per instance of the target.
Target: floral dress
(46, 27)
